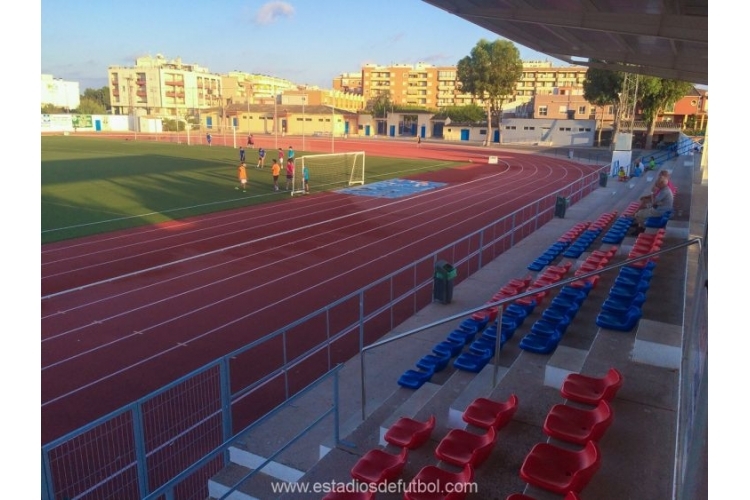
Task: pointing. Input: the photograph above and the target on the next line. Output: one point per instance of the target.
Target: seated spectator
(621, 175)
(654, 205)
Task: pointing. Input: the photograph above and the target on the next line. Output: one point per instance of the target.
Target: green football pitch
(96, 185)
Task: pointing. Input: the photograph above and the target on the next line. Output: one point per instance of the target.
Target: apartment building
(157, 86)
(434, 87)
(60, 93)
(251, 88)
(348, 82)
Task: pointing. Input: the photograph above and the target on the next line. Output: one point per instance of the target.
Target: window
(483, 132)
(582, 110)
(529, 128)
(542, 110)
(510, 127)
(563, 109)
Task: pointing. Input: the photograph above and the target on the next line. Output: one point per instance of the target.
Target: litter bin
(571, 154)
(443, 285)
(603, 179)
(561, 205)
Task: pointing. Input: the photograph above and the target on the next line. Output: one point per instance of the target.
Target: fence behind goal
(328, 171)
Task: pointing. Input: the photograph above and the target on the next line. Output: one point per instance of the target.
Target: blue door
(209, 122)
(367, 130)
(423, 131)
(98, 125)
(346, 128)
(393, 131)
(465, 134)
(496, 136)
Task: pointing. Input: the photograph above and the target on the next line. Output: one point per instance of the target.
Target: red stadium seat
(560, 470)
(577, 425)
(591, 390)
(378, 466)
(410, 433)
(461, 447)
(487, 413)
(449, 485)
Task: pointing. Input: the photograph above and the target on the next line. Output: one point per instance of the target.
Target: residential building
(251, 88)
(431, 87)
(157, 86)
(348, 82)
(60, 93)
(309, 111)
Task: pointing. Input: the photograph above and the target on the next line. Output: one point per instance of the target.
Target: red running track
(125, 313)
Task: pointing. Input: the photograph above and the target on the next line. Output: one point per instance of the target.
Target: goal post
(329, 171)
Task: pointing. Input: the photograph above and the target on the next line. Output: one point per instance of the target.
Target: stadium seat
(485, 413)
(414, 379)
(453, 485)
(449, 347)
(409, 433)
(434, 362)
(539, 344)
(623, 322)
(578, 425)
(473, 362)
(461, 447)
(560, 470)
(591, 390)
(377, 466)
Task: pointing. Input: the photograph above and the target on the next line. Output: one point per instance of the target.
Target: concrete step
(258, 487)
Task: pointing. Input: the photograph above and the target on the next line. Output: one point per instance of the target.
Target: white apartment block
(60, 93)
(157, 86)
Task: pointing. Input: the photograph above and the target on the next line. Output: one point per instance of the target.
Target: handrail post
(498, 336)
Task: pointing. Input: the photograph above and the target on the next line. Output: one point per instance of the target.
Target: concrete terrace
(638, 450)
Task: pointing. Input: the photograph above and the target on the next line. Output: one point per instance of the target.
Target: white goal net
(328, 171)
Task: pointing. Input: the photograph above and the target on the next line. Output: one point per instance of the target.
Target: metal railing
(142, 447)
(501, 303)
(692, 409)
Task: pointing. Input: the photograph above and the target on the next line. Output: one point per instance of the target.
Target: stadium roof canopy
(663, 38)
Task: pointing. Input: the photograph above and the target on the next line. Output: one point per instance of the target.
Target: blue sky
(305, 41)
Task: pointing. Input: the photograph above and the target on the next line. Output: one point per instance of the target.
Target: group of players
(275, 167)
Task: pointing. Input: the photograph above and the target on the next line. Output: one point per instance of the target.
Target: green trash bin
(561, 205)
(603, 179)
(443, 285)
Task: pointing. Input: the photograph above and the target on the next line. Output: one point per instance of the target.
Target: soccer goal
(329, 171)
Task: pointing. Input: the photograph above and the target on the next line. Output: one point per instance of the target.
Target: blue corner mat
(395, 188)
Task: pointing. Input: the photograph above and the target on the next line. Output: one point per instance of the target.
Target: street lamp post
(333, 128)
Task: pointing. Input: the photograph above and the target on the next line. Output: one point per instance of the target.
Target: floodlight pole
(304, 100)
(275, 120)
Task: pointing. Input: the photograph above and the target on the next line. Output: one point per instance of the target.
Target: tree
(470, 113)
(490, 73)
(380, 104)
(89, 106)
(603, 87)
(655, 96)
(51, 109)
(98, 95)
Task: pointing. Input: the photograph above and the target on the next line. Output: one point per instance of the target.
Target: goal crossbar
(328, 171)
